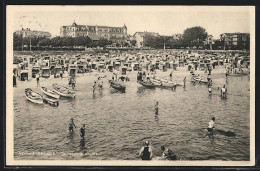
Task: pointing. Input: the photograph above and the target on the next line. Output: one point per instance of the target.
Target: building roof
(234, 33)
(34, 33)
(102, 26)
(147, 33)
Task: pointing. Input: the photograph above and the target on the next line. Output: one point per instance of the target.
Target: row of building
(119, 34)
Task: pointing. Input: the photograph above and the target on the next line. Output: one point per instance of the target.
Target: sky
(165, 20)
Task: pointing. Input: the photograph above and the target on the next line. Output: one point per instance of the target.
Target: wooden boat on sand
(117, 86)
(50, 93)
(63, 91)
(33, 96)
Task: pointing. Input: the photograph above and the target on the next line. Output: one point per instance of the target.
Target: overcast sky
(166, 20)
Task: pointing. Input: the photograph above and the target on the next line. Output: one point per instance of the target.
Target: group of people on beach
(100, 83)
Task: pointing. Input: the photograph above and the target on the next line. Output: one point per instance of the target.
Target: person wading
(82, 131)
(71, 125)
(146, 152)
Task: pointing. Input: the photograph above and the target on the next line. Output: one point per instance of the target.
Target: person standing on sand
(184, 81)
(14, 81)
(61, 75)
(38, 79)
(94, 86)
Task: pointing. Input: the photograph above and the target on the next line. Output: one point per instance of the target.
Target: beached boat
(163, 84)
(51, 101)
(50, 93)
(33, 96)
(63, 91)
(117, 86)
(147, 84)
(200, 80)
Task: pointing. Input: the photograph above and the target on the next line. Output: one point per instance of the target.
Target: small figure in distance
(210, 90)
(94, 86)
(184, 81)
(82, 131)
(146, 151)
(38, 79)
(156, 108)
(71, 125)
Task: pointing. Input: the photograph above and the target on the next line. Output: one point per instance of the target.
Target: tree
(194, 36)
(149, 41)
(126, 44)
(17, 41)
(45, 42)
(133, 42)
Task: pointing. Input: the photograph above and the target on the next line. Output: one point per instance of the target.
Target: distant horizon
(164, 20)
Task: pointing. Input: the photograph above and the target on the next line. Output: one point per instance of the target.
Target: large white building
(94, 32)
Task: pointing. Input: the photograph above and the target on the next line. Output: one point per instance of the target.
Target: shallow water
(118, 123)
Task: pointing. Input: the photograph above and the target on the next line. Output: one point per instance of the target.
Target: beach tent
(46, 72)
(57, 70)
(72, 69)
(123, 70)
(35, 70)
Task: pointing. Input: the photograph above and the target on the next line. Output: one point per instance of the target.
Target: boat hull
(56, 96)
(148, 85)
(55, 89)
(37, 101)
(117, 86)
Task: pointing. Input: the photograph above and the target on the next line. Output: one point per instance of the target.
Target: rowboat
(63, 91)
(51, 101)
(117, 86)
(33, 96)
(147, 84)
(50, 93)
(200, 80)
(162, 84)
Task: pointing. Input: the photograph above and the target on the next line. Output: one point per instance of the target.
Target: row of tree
(194, 36)
(191, 37)
(20, 42)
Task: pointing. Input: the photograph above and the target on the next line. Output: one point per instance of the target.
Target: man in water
(146, 152)
(156, 108)
(223, 91)
(184, 81)
(167, 154)
(210, 90)
(71, 125)
(211, 126)
(82, 131)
